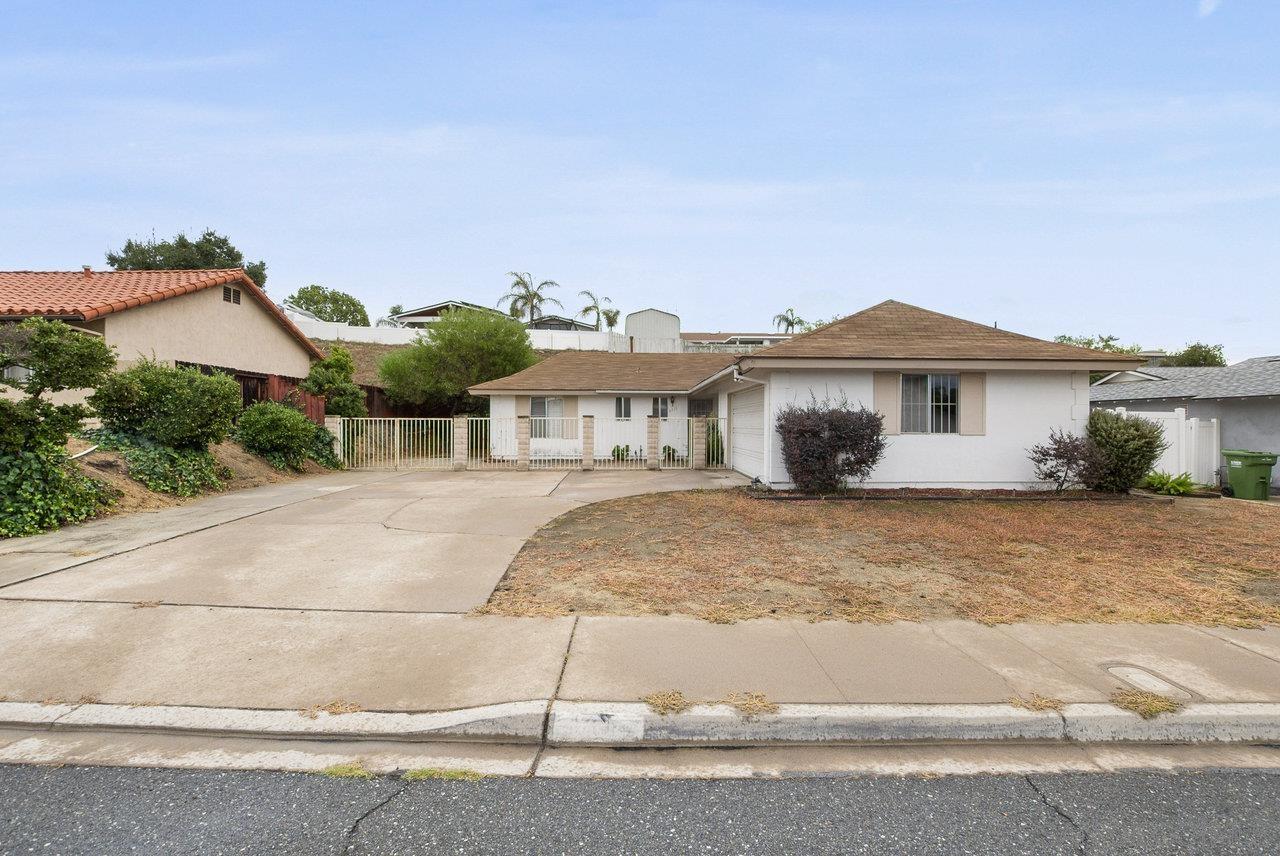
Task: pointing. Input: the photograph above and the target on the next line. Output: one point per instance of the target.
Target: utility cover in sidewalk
(1144, 680)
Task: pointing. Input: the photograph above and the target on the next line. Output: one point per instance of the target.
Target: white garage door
(746, 431)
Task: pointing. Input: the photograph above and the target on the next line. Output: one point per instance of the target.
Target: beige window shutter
(887, 394)
(973, 403)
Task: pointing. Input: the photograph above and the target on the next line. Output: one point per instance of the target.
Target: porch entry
(546, 440)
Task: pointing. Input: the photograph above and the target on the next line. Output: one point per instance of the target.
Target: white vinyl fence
(1195, 445)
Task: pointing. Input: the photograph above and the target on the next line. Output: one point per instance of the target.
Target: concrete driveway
(433, 542)
(347, 586)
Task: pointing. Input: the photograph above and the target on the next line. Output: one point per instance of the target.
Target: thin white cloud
(1208, 7)
(89, 63)
(1137, 112)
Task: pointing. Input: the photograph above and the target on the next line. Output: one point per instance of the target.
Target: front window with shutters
(930, 404)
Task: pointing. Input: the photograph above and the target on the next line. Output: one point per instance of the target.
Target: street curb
(634, 724)
(510, 722)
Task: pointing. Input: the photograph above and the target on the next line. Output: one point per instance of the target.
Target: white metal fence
(555, 443)
(491, 443)
(552, 443)
(397, 444)
(619, 444)
(1195, 445)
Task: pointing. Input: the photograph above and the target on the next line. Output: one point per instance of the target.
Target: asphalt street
(71, 810)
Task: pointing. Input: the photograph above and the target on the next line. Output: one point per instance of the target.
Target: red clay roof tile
(75, 294)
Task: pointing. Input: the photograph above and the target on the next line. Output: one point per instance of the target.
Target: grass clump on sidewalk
(333, 708)
(750, 703)
(1037, 702)
(423, 774)
(1145, 704)
(667, 701)
(350, 770)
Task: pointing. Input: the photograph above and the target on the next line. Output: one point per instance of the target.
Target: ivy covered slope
(165, 433)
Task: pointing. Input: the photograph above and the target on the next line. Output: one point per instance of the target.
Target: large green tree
(463, 348)
(1196, 354)
(210, 251)
(1099, 343)
(329, 304)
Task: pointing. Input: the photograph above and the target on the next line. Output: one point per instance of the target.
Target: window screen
(930, 403)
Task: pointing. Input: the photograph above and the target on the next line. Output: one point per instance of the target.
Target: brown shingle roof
(589, 371)
(86, 296)
(893, 330)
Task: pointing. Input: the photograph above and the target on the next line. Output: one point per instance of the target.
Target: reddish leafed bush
(825, 446)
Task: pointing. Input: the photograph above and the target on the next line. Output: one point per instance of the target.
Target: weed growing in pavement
(350, 770)
(750, 703)
(1145, 704)
(667, 701)
(333, 708)
(422, 774)
(1037, 702)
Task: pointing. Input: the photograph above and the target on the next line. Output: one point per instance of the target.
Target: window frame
(941, 417)
(661, 407)
(622, 407)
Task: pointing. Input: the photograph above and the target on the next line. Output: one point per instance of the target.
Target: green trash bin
(1249, 473)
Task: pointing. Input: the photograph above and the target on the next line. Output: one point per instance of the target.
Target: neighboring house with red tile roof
(962, 402)
(214, 319)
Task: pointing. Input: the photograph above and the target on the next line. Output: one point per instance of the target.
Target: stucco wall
(203, 328)
(1021, 409)
(1246, 423)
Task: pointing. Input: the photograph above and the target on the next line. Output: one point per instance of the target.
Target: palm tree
(788, 320)
(524, 296)
(594, 307)
(610, 317)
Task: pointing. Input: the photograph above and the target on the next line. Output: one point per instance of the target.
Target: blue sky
(1109, 167)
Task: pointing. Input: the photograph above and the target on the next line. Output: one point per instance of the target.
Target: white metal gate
(397, 444)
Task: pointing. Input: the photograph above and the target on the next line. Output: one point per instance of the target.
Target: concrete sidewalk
(242, 610)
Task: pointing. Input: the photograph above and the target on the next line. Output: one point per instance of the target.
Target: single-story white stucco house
(962, 402)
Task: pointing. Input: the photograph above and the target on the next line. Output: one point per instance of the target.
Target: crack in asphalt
(354, 830)
(1083, 846)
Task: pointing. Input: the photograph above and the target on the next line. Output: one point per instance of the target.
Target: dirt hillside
(246, 471)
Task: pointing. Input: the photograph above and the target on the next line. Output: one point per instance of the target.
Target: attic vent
(230, 295)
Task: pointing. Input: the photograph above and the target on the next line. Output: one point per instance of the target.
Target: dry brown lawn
(724, 556)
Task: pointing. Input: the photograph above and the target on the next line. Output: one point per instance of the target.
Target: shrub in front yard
(826, 445)
(1127, 446)
(170, 406)
(321, 451)
(333, 377)
(1066, 460)
(277, 432)
(1169, 484)
(39, 486)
